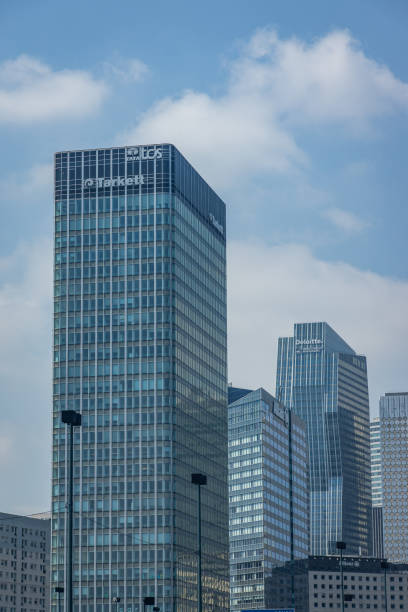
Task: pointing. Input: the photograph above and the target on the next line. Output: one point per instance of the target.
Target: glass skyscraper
(268, 492)
(394, 460)
(376, 488)
(324, 382)
(140, 351)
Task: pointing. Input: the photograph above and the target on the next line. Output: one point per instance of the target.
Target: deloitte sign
(308, 346)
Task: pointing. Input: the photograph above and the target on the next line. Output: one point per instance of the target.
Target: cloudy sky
(295, 112)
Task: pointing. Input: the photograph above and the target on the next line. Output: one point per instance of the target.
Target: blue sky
(296, 113)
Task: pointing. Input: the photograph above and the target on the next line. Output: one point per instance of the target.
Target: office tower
(24, 563)
(394, 459)
(140, 351)
(324, 382)
(367, 585)
(268, 482)
(376, 488)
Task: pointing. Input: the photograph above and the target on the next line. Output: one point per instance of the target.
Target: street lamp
(59, 590)
(116, 600)
(199, 480)
(73, 419)
(341, 546)
(385, 566)
(148, 601)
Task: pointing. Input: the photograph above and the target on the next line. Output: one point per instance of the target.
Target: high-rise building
(394, 459)
(324, 382)
(376, 488)
(140, 351)
(24, 563)
(268, 492)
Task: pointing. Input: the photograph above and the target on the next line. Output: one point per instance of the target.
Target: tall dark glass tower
(140, 351)
(324, 382)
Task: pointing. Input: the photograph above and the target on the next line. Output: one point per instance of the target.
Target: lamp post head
(71, 417)
(148, 601)
(199, 479)
(384, 565)
(340, 545)
(116, 600)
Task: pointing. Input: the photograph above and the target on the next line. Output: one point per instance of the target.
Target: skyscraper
(376, 488)
(325, 383)
(268, 489)
(394, 459)
(140, 351)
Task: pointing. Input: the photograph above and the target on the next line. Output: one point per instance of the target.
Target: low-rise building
(314, 585)
(24, 563)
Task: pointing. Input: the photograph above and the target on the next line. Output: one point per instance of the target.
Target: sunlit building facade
(268, 492)
(140, 351)
(320, 378)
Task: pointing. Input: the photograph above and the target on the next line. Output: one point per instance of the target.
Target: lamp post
(341, 546)
(116, 600)
(59, 590)
(73, 419)
(199, 480)
(385, 566)
(148, 601)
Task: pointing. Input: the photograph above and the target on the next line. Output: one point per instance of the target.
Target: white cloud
(227, 138)
(127, 70)
(25, 375)
(328, 80)
(31, 91)
(274, 86)
(25, 310)
(345, 220)
(5, 449)
(25, 186)
(271, 288)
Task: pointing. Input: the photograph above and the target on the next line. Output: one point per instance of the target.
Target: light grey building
(140, 350)
(394, 458)
(24, 563)
(376, 488)
(268, 492)
(322, 380)
(316, 585)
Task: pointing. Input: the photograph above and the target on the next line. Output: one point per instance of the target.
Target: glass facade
(375, 449)
(324, 382)
(140, 351)
(376, 488)
(394, 460)
(268, 492)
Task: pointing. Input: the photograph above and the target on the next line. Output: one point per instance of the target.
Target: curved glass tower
(140, 351)
(324, 382)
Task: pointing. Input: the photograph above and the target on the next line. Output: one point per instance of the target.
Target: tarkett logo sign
(119, 181)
